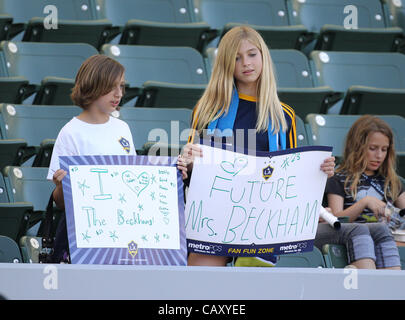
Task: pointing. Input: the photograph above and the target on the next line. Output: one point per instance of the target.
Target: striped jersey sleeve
(291, 133)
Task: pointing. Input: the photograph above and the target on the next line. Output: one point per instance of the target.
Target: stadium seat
(33, 124)
(6, 21)
(43, 157)
(14, 218)
(50, 67)
(12, 152)
(27, 184)
(9, 251)
(337, 255)
(346, 25)
(331, 130)
(395, 13)
(310, 259)
(302, 135)
(155, 22)
(170, 126)
(269, 17)
(13, 89)
(295, 85)
(64, 21)
(3, 190)
(161, 76)
(401, 251)
(30, 248)
(373, 83)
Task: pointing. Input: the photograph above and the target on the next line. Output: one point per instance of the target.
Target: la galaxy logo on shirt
(267, 172)
(125, 144)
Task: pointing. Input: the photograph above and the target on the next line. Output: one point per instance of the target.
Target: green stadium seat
(76, 21)
(170, 126)
(369, 32)
(268, 17)
(310, 259)
(28, 184)
(12, 152)
(302, 135)
(331, 130)
(14, 219)
(13, 89)
(337, 255)
(30, 248)
(161, 76)
(6, 21)
(33, 124)
(395, 13)
(3, 190)
(50, 67)
(9, 251)
(43, 157)
(373, 83)
(296, 86)
(401, 251)
(155, 22)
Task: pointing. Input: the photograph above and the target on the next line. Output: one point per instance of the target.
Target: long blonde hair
(217, 96)
(355, 156)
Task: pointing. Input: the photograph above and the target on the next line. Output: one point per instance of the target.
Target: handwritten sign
(124, 210)
(244, 205)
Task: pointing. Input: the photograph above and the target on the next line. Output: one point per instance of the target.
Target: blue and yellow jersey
(246, 119)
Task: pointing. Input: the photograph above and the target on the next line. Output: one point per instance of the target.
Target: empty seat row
(339, 25)
(29, 131)
(43, 73)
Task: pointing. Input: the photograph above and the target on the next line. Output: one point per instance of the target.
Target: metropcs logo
(203, 247)
(293, 247)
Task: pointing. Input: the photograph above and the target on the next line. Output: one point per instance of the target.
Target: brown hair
(95, 78)
(355, 155)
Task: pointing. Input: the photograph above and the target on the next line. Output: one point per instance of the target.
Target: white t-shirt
(81, 138)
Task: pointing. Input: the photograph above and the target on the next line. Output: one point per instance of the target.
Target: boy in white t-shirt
(99, 87)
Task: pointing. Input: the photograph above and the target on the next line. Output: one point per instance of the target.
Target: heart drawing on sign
(136, 183)
(234, 168)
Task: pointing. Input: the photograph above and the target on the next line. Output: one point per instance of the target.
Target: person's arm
(336, 203)
(400, 202)
(58, 191)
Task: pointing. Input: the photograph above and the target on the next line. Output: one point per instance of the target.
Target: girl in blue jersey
(242, 95)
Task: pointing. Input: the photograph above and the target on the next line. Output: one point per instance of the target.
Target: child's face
(377, 149)
(248, 66)
(109, 102)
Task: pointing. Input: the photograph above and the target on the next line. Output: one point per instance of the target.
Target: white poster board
(243, 205)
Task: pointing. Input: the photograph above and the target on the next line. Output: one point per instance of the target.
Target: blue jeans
(362, 240)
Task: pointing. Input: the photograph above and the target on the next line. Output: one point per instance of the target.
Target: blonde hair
(355, 156)
(217, 96)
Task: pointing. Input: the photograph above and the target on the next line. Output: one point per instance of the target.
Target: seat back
(182, 65)
(29, 184)
(120, 11)
(35, 60)
(218, 13)
(157, 124)
(331, 130)
(9, 251)
(22, 11)
(310, 259)
(314, 14)
(341, 70)
(291, 68)
(34, 123)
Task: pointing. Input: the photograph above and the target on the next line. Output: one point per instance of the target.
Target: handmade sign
(124, 210)
(244, 205)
